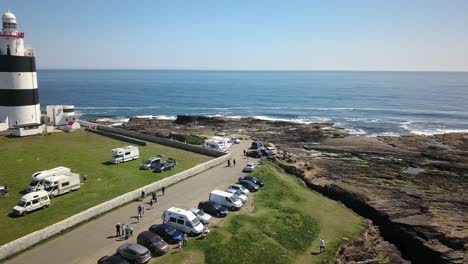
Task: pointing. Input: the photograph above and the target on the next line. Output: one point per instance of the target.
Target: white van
(183, 220)
(32, 201)
(125, 154)
(226, 141)
(38, 177)
(226, 199)
(57, 185)
(214, 145)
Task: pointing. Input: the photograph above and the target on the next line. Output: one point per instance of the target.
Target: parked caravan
(226, 199)
(125, 154)
(57, 185)
(38, 177)
(214, 145)
(31, 201)
(183, 220)
(227, 141)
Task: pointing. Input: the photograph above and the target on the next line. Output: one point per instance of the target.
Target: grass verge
(285, 227)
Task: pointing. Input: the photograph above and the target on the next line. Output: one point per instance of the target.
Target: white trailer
(39, 176)
(57, 185)
(125, 154)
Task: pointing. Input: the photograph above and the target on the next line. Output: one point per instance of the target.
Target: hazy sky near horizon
(246, 35)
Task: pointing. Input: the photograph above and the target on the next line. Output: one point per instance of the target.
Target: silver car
(151, 163)
(202, 216)
(240, 188)
(239, 194)
(135, 253)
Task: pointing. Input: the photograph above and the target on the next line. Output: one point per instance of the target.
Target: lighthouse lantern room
(19, 100)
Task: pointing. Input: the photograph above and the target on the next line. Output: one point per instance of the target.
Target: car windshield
(195, 222)
(200, 213)
(148, 162)
(234, 198)
(170, 231)
(117, 156)
(21, 204)
(216, 206)
(33, 183)
(237, 193)
(157, 240)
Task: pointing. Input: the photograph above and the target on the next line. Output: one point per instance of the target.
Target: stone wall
(40, 235)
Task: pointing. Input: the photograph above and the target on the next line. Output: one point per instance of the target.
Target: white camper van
(226, 141)
(37, 177)
(32, 201)
(226, 199)
(125, 154)
(183, 220)
(214, 145)
(57, 185)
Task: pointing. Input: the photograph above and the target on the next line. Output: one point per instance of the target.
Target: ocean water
(365, 103)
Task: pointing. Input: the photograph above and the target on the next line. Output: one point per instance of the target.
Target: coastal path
(92, 240)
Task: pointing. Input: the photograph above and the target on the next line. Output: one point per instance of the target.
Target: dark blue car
(167, 232)
(165, 166)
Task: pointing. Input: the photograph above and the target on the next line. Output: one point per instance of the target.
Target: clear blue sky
(250, 35)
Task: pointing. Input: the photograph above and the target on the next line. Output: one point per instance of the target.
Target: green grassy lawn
(82, 152)
(285, 227)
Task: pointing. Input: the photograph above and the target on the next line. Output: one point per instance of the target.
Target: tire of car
(45, 206)
(24, 213)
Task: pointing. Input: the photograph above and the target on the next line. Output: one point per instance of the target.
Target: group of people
(126, 231)
(229, 162)
(123, 230)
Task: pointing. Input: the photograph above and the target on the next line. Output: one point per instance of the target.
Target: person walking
(122, 228)
(245, 152)
(234, 162)
(184, 240)
(117, 229)
(153, 196)
(163, 189)
(142, 211)
(151, 204)
(229, 163)
(143, 194)
(139, 212)
(322, 245)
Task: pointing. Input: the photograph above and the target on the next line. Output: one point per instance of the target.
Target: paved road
(93, 240)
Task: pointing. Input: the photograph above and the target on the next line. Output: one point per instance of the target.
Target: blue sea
(365, 103)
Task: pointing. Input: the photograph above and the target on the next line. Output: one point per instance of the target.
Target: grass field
(82, 152)
(285, 227)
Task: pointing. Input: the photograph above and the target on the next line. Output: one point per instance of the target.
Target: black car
(112, 260)
(213, 208)
(254, 153)
(167, 232)
(165, 166)
(254, 180)
(252, 187)
(153, 242)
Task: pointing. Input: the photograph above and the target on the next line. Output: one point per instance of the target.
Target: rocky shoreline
(412, 187)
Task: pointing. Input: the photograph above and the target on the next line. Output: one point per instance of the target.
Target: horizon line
(247, 70)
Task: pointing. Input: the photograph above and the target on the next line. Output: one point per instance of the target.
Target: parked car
(256, 144)
(235, 140)
(240, 188)
(253, 179)
(213, 208)
(165, 166)
(3, 190)
(112, 260)
(156, 245)
(254, 153)
(183, 220)
(250, 167)
(31, 202)
(134, 253)
(238, 193)
(201, 215)
(249, 185)
(151, 163)
(167, 232)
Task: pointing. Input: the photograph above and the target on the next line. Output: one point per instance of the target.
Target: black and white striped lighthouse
(19, 100)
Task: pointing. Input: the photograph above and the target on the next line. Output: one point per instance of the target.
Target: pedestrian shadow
(121, 239)
(110, 237)
(315, 253)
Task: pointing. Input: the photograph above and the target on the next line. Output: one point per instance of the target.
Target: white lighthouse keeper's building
(19, 100)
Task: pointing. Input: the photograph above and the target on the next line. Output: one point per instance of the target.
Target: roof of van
(222, 193)
(125, 148)
(180, 211)
(51, 171)
(32, 195)
(58, 177)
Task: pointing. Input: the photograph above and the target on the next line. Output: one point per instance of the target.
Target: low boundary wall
(151, 138)
(118, 137)
(40, 235)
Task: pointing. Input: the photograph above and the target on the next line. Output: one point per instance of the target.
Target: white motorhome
(183, 220)
(39, 176)
(57, 185)
(125, 154)
(226, 199)
(227, 141)
(215, 145)
(32, 201)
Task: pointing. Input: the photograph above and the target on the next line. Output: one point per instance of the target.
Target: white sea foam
(356, 131)
(113, 119)
(429, 132)
(385, 134)
(161, 117)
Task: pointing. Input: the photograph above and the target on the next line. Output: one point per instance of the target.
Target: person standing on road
(139, 212)
(122, 228)
(184, 240)
(229, 163)
(234, 162)
(143, 194)
(322, 245)
(244, 152)
(117, 229)
(153, 196)
(151, 204)
(163, 189)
